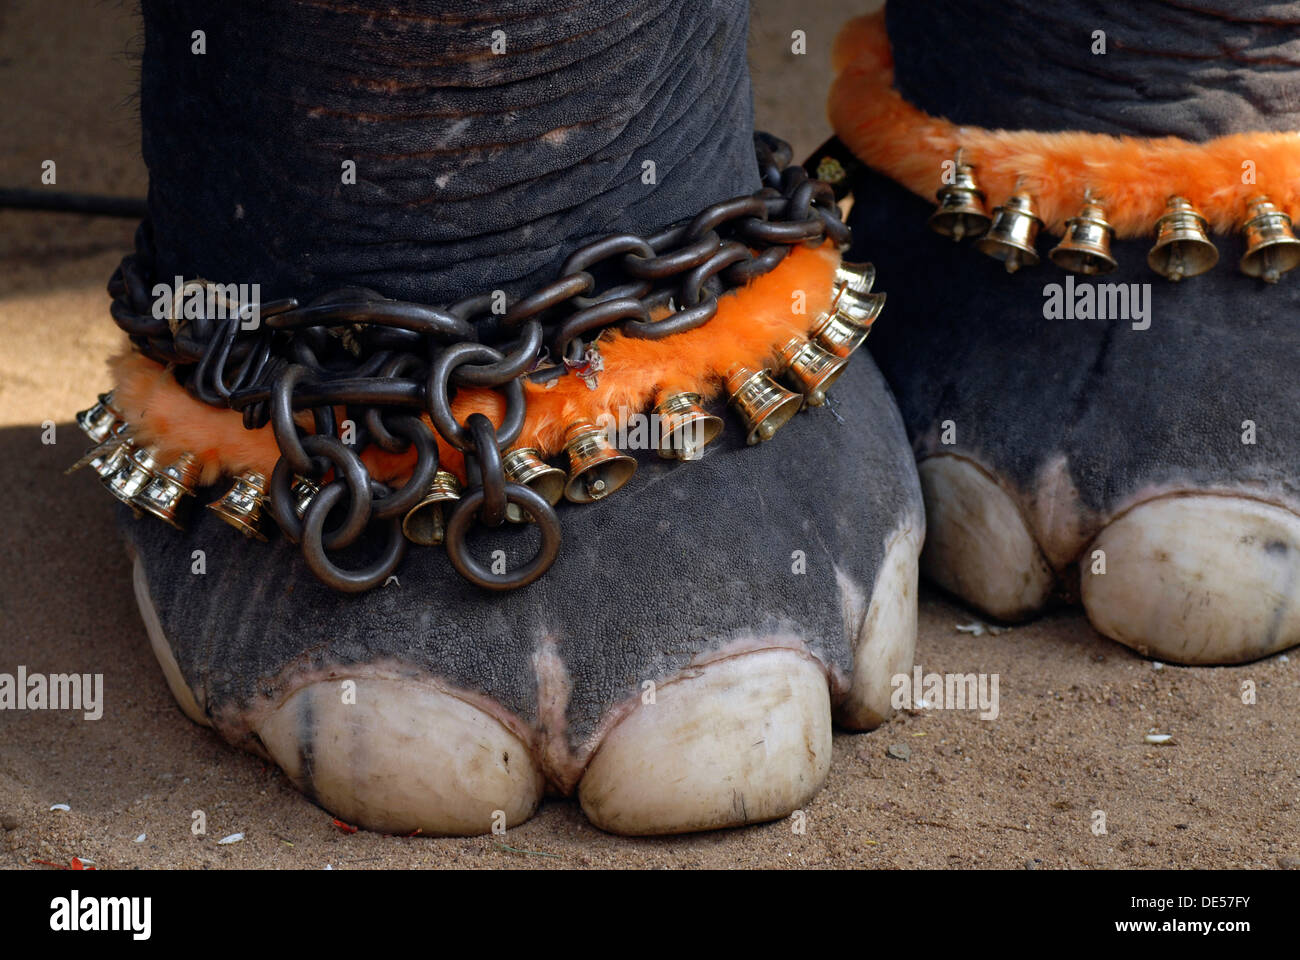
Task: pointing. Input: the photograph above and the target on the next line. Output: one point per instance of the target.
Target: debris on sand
(140, 839)
(61, 806)
(233, 838)
(1158, 738)
(8, 821)
(978, 629)
(898, 751)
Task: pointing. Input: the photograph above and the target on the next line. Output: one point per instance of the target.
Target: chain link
(386, 361)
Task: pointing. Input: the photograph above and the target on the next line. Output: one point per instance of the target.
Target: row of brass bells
(131, 473)
(1271, 248)
(241, 505)
(961, 212)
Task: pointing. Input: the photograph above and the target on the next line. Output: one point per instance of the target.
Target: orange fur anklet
(1135, 176)
(751, 325)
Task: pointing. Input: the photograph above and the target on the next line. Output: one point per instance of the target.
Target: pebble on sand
(899, 751)
(1158, 738)
(60, 806)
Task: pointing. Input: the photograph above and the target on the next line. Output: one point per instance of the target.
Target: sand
(1017, 791)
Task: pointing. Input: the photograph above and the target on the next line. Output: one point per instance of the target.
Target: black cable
(55, 201)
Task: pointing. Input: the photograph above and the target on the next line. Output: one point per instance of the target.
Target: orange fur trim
(1132, 176)
(750, 327)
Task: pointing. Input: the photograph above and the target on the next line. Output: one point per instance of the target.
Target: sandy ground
(1017, 791)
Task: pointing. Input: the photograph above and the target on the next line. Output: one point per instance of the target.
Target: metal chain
(388, 361)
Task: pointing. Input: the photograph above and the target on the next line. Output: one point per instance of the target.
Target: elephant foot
(1188, 578)
(679, 669)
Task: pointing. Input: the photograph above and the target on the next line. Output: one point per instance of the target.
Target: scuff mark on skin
(1057, 516)
(553, 691)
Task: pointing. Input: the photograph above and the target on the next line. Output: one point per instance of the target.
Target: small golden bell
(1182, 247)
(97, 422)
(304, 490)
(165, 495)
(763, 404)
(685, 427)
(858, 277)
(1012, 235)
(241, 506)
(110, 458)
(810, 368)
(961, 211)
(118, 435)
(426, 522)
(596, 468)
(1271, 248)
(524, 465)
(133, 476)
(839, 334)
(861, 308)
(1085, 248)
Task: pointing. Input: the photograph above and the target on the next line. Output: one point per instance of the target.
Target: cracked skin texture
(685, 560)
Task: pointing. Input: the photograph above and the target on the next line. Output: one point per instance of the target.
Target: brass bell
(241, 506)
(524, 465)
(110, 458)
(164, 495)
(98, 421)
(858, 277)
(426, 522)
(304, 490)
(1085, 248)
(837, 333)
(133, 476)
(961, 211)
(1182, 247)
(596, 468)
(1271, 248)
(1012, 235)
(811, 369)
(861, 308)
(764, 404)
(685, 427)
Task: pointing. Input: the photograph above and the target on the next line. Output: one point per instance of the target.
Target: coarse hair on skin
(1133, 177)
(750, 327)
